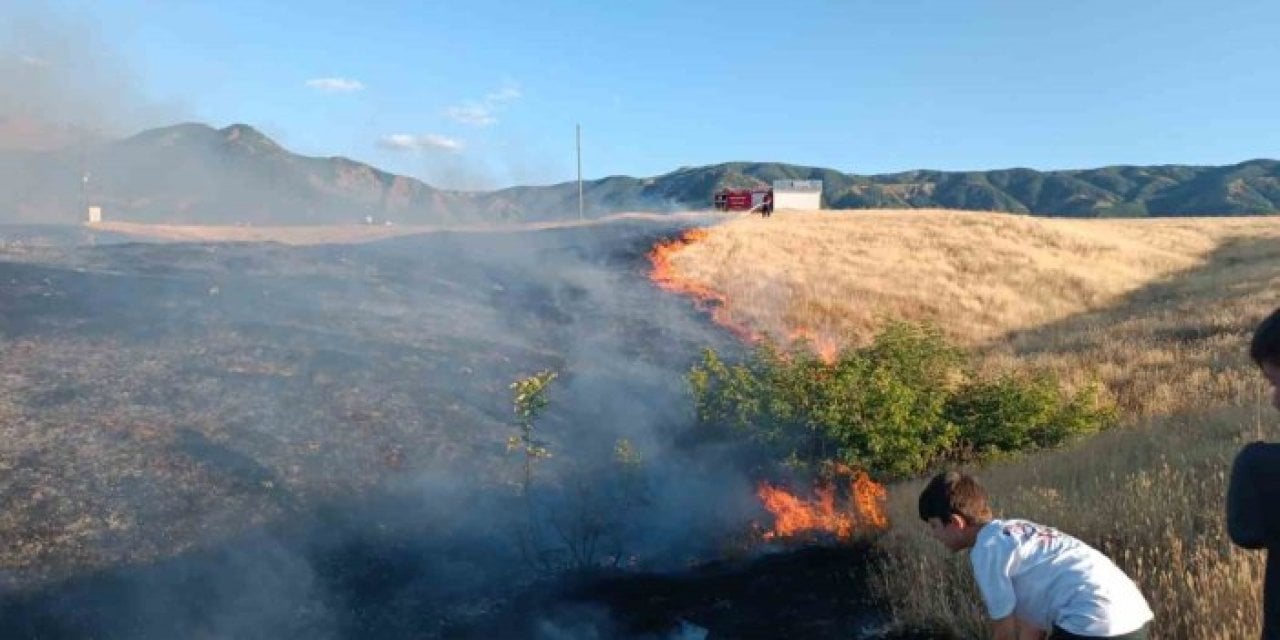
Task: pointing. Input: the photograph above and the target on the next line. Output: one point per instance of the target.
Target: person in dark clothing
(1253, 495)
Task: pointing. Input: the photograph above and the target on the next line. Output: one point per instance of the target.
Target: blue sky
(480, 94)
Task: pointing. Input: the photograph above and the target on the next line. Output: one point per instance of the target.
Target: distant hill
(196, 174)
(1251, 187)
(193, 173)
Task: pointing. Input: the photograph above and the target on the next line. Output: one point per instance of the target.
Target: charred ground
(252, 440)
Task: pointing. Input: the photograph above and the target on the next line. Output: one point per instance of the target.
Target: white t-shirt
(1046, 577)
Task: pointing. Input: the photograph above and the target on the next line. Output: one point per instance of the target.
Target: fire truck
(754, 199)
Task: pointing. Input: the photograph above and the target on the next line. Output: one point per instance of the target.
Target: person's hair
(954, 493)
(1265, 348)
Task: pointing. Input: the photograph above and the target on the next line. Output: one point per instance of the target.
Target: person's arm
(1030, 632)
(993, 564)
(1005, 628)
(1010, 628)
(1245, 518)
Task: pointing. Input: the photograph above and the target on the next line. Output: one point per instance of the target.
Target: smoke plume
(311, 442)
(62, 82)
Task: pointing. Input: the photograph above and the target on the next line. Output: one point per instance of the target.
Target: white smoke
(62, 83)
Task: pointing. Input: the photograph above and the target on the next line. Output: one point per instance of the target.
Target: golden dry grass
(1089, 299)
(977, 275)
(1158, 310)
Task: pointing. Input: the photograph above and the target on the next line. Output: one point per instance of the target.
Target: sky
(478, 95)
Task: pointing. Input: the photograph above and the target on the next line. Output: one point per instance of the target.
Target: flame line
(715, 303)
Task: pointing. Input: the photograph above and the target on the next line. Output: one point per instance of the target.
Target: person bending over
(1034, 580)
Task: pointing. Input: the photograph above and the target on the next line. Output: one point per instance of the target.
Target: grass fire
(327, 427)
(667, 276)
(370, 328)
(840, 515)
(1147, 344)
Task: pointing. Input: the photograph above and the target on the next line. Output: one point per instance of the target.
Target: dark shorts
(1059, 634)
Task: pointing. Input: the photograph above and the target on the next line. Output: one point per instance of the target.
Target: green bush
(1019, 413)
(896, 407)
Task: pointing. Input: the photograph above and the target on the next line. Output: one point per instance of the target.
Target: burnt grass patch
(260, 441)
(811, 592)
(388, 567)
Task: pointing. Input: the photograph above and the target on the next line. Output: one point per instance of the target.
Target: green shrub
(884, 405)
(896, 407)
(1019, 413)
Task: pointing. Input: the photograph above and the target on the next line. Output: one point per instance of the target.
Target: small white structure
(95, 215)
(805, 195)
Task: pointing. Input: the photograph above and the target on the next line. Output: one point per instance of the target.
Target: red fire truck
(756, 199)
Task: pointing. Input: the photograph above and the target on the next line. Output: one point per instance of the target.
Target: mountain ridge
(193, 173)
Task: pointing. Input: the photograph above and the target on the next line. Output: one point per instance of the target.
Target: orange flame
(823, 344)
(796, 517)
(868, 498)
(707, 299)
(665, 275)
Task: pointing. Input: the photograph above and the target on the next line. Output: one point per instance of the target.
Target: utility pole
(579, 131)
(84, 179)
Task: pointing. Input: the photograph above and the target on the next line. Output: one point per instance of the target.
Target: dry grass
(1150, 497)
(1158, 310)
(1152, 308)
(344, 234)
(300, 235)
(978, 275)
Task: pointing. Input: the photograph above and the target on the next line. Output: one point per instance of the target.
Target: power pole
(84, 181)
(579, 131)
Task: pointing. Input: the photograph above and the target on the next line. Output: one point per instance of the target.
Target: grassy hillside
(1161, 311)
(1147, 306)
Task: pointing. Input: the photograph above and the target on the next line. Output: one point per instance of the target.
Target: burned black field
(254, 440)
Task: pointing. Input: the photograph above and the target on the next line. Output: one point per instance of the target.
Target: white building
(95, 214)
(797, 194)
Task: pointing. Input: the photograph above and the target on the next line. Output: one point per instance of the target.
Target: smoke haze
(311, 442)
(62, 83)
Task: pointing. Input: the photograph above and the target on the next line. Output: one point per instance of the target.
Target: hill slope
(1247, 188)
(195, 174)
(192, 173)
(1170, 292)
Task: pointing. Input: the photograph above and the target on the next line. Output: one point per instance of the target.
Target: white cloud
(33, 61)
(507, 93)
(484, 112)
(471, 113)
(425, 142)
(335, 85)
